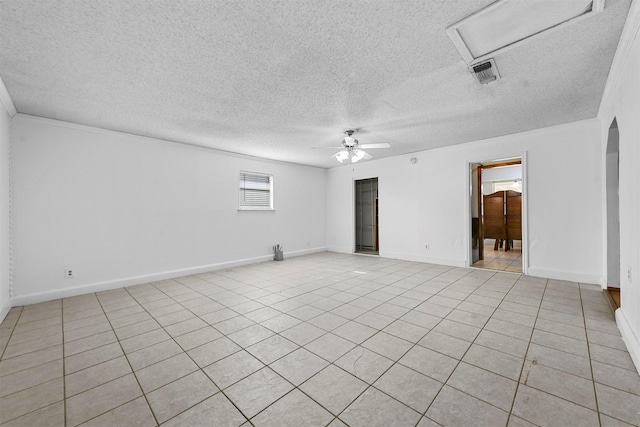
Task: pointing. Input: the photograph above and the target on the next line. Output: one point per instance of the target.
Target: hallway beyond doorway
(510, 260)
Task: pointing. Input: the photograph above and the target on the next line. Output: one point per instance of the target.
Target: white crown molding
(627, 40)
(6, 99)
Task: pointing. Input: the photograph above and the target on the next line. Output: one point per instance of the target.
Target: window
(256, 191)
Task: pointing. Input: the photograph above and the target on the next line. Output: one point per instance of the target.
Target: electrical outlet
(629, 274)
(69, 273)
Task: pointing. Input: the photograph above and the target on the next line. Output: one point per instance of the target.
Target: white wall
(502, 174)
(621, 101)
(428, 202)
(122, 209)
(5, 136)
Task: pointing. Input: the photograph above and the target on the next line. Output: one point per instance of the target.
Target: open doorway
(496, 215)
(366, 201)
(613, 213)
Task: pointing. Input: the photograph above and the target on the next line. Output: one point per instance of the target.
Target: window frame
(241, 190)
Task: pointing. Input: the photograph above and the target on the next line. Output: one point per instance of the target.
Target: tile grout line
(1, 359)
(201, 369)
(285, 313)
(299, 347)
(471, 343)
(560, 370)
(51, 346)
(173, 339)
(395, 362)
(593, 377)
(325, 333)
(313, 287)
(114, 379)
(424, 414)
(378, 330)
(368, 385)
(573, 354)
(11, 335)
(22, 370)
(130, 367)
(524, 360)
(416, 344)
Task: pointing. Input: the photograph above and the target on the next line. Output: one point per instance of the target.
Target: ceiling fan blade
(322, 148)
(377, 145)
(367, 156)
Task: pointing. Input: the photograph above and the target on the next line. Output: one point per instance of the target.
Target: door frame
(354, 223)
(467, 241)
(613, 268)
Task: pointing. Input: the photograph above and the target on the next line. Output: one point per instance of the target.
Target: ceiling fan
(351, 148)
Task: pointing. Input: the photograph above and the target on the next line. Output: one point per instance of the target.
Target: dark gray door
(366, 192)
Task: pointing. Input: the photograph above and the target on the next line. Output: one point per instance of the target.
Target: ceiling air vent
(486, 72)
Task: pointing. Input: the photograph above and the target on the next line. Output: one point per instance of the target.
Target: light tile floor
(324, 339)
(500, 259)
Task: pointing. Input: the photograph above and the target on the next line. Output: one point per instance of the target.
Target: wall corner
(5, 98)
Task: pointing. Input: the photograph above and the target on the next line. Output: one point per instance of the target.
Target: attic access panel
(507, 23)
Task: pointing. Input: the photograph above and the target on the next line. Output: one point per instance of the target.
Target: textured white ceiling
(275, 78)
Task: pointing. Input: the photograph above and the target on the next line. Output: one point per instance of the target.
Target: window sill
(255, 209)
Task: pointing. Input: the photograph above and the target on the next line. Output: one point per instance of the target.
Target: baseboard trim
(567, 275)
(452, 262)
(38, 297)
(630, 339)
(303, 252)
(340, 250)
(404, 256)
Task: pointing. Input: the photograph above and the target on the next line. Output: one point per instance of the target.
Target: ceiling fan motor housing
(349, 141)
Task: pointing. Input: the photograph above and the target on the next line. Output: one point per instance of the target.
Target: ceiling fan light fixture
(356, 155)
(341, 156)
(352, 150)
